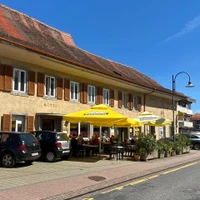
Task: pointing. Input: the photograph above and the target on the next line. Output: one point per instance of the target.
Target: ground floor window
(18, 123)
(84, 129)
(105, 131)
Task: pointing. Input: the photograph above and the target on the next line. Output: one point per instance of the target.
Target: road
(178, 183)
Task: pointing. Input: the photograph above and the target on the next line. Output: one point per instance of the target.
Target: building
(196, 122)
(184, 115)
(44, 75)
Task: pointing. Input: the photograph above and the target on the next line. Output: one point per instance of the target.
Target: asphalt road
(181, 183)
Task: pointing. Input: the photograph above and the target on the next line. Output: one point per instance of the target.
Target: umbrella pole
(100, 135)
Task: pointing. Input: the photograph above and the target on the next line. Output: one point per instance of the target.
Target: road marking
(178, 168)
(148, 178)
(88, 199)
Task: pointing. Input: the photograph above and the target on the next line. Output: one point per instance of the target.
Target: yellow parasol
(146, 117)
(160, 122)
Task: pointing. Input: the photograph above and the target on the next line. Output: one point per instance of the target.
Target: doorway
(48, 124)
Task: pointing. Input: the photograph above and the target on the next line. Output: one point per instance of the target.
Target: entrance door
(48, 124)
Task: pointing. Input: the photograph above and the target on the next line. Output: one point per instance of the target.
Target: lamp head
(189, 85)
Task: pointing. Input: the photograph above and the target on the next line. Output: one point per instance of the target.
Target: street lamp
(189, 85)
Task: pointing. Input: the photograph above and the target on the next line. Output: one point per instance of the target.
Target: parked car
(53, 145)
(195, 139)
(17, 147)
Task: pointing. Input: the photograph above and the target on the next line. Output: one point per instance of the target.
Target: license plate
(34, 154)
(65, 151)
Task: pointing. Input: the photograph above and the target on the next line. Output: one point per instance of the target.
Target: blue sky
(158, 38)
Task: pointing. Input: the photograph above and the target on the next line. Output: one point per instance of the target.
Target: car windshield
(62, 136)
(28, 138)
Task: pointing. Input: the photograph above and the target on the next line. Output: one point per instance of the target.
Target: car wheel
(28, 162)
(8, 160)
(196, 146)
(50, 156)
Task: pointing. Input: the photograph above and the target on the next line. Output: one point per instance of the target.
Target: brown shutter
(99, 95)
(2, 77)
(112, 98)
(8, 78)
(130, 102)
(139, 103)
(119, 99)
(40, 85)
(60, 88)
(67, 90)
(30, 123)
(6, 122)
(85, 95)
(31, 83)
(81, 92)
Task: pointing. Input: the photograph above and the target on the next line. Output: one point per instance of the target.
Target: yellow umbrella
(146, 117)
(160, 122)
(98, 114)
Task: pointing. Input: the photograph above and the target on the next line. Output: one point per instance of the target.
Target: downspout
(144, 106)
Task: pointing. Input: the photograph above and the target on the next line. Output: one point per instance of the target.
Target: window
(74, 91)
(125, 99)
(106, 96)
(49, 86)
(19, 80)
(18, 123)
(135, 102)
(91, 94)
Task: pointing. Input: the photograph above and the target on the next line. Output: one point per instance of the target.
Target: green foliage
(145, 143)
(181, 141)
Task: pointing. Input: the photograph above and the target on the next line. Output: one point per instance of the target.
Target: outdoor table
(89, 147)
(117, 150)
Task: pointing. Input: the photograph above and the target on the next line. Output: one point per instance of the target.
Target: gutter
(78, 64)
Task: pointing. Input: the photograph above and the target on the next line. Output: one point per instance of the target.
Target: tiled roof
(196, 116)
(23, 30)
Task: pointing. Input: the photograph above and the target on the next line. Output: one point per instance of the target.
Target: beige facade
(22, 104)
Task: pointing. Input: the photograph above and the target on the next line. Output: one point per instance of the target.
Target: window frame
(19, 81)
(123, 100)
(74, 93)
(92, 95)
(106, 101)
(45, 86)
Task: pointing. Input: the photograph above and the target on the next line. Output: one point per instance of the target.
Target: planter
(154, 154)
(143, 157)
(136, 157)
(173, 153)
(167, 154)
(161, 154)
(188, 149)
(184, 150)
(178, 151)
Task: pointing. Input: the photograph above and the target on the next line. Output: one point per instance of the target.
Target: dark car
(194, 138)
(17, 147)
(53, 145)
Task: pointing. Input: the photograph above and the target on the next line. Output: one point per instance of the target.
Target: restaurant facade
(44, 75)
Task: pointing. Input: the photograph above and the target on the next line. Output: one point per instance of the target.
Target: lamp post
(189, 85)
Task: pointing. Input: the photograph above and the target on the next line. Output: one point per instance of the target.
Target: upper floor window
(74, 91)
(125, 99)
(19, 80)
(91, 94)
(50, 86)
(135, 102)
(106, 96)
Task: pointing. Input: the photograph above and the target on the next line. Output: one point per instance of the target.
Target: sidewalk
(66, 179)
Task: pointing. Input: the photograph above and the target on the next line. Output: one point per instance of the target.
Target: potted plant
(161, 149)
(145, 144)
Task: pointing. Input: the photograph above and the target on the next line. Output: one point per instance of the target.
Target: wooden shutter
(40, 85)
(8, 78)
(85, 93)
(6, 122)
(59, 88)
(119, 99)
(99, 95)
(139, 103)
(130, 102)
(31, 83)
(2, 77)
(30, 123)
(67, 90)
(112, 98)
(81, 92)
